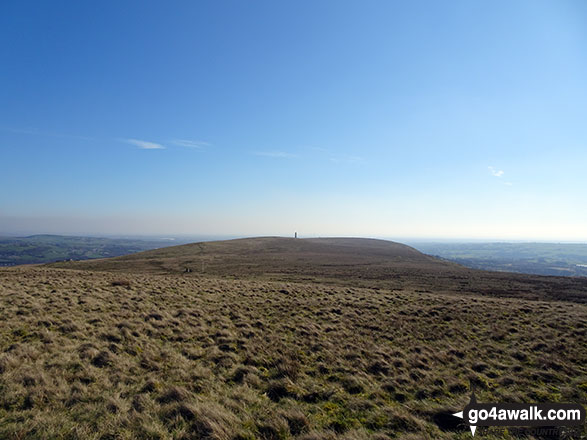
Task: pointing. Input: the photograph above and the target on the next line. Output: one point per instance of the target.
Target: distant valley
(50, 248)
(554, 259)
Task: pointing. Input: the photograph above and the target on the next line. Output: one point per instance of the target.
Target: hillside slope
(263, 255)
(102, 355)
(343, 261)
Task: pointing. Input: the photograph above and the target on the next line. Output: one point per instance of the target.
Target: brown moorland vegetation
(356, 262)
(131, 352)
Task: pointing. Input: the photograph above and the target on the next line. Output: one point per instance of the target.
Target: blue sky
(461, 119)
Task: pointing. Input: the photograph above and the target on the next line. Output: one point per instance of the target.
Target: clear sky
(432, 119)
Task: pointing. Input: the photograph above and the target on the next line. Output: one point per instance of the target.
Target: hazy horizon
(182, 238)
(416, 121)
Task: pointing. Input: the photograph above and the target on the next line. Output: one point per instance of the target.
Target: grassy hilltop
(279, 338)
(341, 261)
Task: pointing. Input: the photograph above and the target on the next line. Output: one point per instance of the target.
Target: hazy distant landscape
(560, 259)
(49, 248)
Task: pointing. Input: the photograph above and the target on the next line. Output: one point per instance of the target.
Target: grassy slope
(341, 261)
(255, 256)
(97, 354)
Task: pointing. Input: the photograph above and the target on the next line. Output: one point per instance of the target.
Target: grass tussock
(192, 358)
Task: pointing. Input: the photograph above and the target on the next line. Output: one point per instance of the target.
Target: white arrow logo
(460, 416)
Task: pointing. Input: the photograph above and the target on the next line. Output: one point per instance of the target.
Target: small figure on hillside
(295, 235)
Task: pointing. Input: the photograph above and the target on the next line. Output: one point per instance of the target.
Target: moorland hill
(357, 262)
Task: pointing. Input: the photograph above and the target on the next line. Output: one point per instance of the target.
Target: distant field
(48, 248)
(561, 259)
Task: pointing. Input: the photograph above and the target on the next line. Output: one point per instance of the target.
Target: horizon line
(172, 236)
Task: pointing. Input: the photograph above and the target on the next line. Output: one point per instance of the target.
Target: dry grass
(166, 356)
(345, 262)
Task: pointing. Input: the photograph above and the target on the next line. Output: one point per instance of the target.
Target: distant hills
(49, 248)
